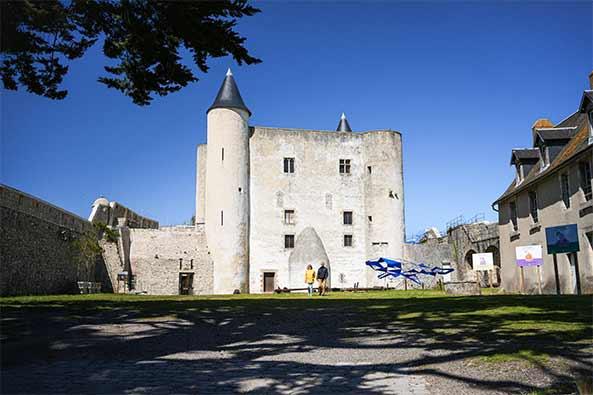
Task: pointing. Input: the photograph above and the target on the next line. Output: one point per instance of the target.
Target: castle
(269, 201)
(273, 200)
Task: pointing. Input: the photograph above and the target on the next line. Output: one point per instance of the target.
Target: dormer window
(524, 159)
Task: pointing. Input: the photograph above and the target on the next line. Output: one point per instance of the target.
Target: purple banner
(532, 262)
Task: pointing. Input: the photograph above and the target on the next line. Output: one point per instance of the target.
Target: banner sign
(562, 239)
(483, 261)
(529, 255)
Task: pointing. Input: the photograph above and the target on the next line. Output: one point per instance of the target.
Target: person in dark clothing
(322, 277)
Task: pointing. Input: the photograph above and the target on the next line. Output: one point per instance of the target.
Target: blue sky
(463, 82)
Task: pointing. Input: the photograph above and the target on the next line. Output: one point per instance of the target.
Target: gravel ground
(211, 349)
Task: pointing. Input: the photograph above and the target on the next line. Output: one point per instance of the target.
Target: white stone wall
(552, 212)
(158, 256)
(201, 153)
(227, 192)
(319, 194)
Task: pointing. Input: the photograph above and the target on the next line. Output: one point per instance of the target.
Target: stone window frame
(292, 220)
(345, 166)
(533, 206)
(513, 215)
(585, 179)
(564, 180)
(350, 243)
(344, 222)
(289, 164)
(287, 243)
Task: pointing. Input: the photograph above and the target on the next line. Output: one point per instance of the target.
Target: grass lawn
(491, 330)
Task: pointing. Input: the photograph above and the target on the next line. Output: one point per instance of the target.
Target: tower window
(564, 188)
(222, 154)
(344, 166)
(533, 206)
(347, 217)
(288, 241)
(221, 218)
(347, 240)
(370, 218)
(289, 165)
(289, 217)
(370, 169)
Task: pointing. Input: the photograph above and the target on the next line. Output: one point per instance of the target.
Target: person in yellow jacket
(310, 279)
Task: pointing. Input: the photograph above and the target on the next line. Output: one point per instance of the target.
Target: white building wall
(227, 192)
(319, 194)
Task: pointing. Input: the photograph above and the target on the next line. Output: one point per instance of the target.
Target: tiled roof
(586, 101)
(577, 144)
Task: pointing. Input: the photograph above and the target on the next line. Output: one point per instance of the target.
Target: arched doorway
(468, 266)
(496, 275)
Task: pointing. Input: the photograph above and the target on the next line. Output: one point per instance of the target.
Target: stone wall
(38, 247)
(319, 194)
(158, 257)
(115, 214)
(433, 252)
(552, 211)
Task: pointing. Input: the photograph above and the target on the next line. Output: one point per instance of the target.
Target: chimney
(591, 80)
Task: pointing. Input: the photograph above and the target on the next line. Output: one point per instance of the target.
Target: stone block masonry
(158, 258)
(37, 240)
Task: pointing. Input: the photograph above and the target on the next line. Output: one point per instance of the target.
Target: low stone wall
(159, 256)
(38, 253)
(462, 288)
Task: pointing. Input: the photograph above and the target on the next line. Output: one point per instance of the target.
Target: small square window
(347, 240)
(347, 217)
(370, 218)
(289, 217)
(344, 166)
(288, 241)
(289, 165)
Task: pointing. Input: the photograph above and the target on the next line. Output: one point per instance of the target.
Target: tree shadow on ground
(290, 345)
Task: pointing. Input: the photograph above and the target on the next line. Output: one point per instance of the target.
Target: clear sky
(463, 82)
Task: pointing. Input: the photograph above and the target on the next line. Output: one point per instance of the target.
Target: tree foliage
(142, 38)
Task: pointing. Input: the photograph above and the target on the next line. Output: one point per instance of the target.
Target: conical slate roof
(343, 126)
(228, 95)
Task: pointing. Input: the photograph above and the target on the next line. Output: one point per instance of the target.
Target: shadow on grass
(138, 344)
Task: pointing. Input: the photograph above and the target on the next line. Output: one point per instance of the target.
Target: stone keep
(250, 204)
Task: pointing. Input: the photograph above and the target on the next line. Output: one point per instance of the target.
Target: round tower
(227, 189)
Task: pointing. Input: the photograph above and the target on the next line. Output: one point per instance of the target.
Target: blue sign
(562, 239)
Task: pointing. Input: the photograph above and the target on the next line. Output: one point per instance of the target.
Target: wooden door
(269, 281)
(186, 283)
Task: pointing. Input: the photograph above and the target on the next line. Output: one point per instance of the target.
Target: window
(585, 170)
(513, 209)
(222, 154)
(564, 189)
(221, 218)
(347, 240)
(289, 217)
(344, 166)
(347, 217)
(191, 263)
(370, 169)
(533, 206)
(370, 218)
(288, 241)
(289, 165)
